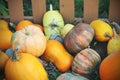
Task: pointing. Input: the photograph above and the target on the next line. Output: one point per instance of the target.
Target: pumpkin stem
(108, 35)
(115, 34)
(26, 31)
(15, 57)
(51, 8)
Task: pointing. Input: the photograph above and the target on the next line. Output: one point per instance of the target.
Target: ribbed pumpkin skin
(27, 67)
(29, 40)
(78, 38)
(70, 76)
(85, 61)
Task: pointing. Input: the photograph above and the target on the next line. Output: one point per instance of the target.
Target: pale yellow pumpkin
(29, 39)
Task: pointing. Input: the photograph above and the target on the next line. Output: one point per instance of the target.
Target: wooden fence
(66, 9)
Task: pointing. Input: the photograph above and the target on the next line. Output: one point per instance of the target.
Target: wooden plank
(15, 10)
(114, 11)
(90, 10)
(67, 9)
(38, 8)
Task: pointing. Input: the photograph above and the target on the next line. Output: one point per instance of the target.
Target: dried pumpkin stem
(108, 35)
(51, 8)
(26, 31)
(15, 57)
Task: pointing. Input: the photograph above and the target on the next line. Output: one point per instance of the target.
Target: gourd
(101, 29)
(22, 24)
(3, 25)
(85, 62)
(58, 55)
(5, 39)
(78, 38)
(71, 76)
(113, 43)
(66, 29)
(24, 66)
(3, 60)
(29, 40)
(109, 68)
(53, 22)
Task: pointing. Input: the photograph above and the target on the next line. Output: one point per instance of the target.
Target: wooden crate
(66, 9)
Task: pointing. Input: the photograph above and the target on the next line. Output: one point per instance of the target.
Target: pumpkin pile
(59, 51)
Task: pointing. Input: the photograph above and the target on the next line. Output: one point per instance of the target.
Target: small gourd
(114, 43)
(101, 28)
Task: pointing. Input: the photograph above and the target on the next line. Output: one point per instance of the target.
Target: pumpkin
(85, 62)
(5, 39)
(78, 38)
(3, 25)
(53, 22)
(58, 55)
(66, 29)
(113, 43)
(9, 52)
(71, 76)
(101, 29)
(24, 66)
(110, 67)
(3, 59)
(30, 39)
(22, 24)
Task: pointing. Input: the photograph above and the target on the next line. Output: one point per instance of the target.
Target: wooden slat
(114, 10)
(38, 8)
(90, 10)
(15, 10)
(67, 9)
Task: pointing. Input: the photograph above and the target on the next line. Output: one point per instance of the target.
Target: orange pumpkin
(5, 39)
(22, 24)
(110, 67)
(30, 39)
(4, 25)
(3, 59)
(24, 67)
(57, 54)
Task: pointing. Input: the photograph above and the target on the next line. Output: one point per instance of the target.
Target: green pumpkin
(114, 43)
(53, 23)
(71, 76)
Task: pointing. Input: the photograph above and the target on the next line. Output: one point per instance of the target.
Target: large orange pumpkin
(5, 38)
(3, 59)
(29, 39)
(24, 67)
(110, 67)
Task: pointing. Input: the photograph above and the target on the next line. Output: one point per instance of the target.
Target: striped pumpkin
(78, 38)
(85, 61)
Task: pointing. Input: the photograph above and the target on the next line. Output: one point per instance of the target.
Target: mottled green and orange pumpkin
(29, 40)
(78, 37)
(85, 61)
(71, 76)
